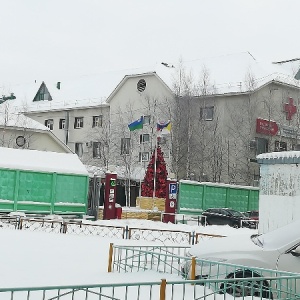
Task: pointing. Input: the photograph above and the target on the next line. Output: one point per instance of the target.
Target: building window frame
(78, 122)
(96, 149)
(62, 123)
(280, 146)
(125, 146)
(79, 149)
(144, 138)
(97, 121)
(49, 123)
(147, 120)
(143, 156)
(207, 113)
(261, 145)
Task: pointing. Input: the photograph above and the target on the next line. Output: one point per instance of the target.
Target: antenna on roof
(167, 65)
(251, 55)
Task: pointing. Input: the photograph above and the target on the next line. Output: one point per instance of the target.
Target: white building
(21, 132)
(219, 114)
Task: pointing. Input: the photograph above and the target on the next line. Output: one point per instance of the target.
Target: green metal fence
(280, 288)
(219, 277)
(194, 197)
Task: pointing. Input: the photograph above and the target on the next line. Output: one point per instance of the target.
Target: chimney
(58, 85)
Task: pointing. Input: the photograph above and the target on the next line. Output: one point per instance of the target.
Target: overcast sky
(56, 39)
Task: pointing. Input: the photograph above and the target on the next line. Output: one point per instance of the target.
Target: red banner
(266, 127)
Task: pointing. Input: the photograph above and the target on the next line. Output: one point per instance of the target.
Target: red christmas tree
(161, 176)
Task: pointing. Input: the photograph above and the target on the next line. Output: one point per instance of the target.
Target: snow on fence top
(41, 161)
(218, 184)
(284, 157)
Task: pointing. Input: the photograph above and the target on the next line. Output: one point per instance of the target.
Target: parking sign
(172, 190)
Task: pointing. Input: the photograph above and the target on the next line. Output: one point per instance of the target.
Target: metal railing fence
(121, 232)
(77, 227)
(217, 289)
(9, 222)
(161, 235)
(136, 258)
(220, 277)
(40, 225)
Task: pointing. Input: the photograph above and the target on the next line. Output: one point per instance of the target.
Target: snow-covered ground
(32, 259)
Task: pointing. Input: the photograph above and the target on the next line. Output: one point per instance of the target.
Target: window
(125, 145)
(296, 147)
(144, 156)
(141, 85)
(261, 145)
(96, 150)
(62, 123)
(280, 146)
(161, 140)
(144, 138)
(79, 149)
(78, 122)
(97, 121)
(207, 113)
(41, 96)
(49, 123)
(147, 120)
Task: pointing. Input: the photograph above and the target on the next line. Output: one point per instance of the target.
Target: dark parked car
(252, 214)
(226, 216)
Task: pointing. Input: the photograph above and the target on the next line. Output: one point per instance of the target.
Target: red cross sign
(290, 109)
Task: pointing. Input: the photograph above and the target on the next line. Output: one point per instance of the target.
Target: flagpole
(155, 158)
(141, 162)
(128, 174)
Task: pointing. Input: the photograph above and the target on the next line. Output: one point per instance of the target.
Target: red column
(109, 211)
(171, 201)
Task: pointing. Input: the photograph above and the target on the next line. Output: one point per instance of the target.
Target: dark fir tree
(161, 176)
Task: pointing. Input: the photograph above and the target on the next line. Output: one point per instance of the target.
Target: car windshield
(279, 237)
(235, 213)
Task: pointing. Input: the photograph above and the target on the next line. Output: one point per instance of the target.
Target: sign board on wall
(272, 128)
(289, 131)
(266, 127)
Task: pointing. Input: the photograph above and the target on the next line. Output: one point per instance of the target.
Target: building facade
(221, 119)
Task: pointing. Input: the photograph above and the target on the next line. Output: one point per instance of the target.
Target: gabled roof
(142, 75)
(11, 118)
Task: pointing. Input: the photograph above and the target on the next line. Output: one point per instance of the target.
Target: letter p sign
(172, 190)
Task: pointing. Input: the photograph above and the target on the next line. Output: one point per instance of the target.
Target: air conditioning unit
(89, 144)
(252, 144)
(296, 147)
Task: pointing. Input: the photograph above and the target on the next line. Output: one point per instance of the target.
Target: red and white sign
(266, 127)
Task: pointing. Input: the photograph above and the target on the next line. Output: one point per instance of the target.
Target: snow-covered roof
(226, 74)
(41, 161)
(11, 117)
(230, 73)
(284, 157)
